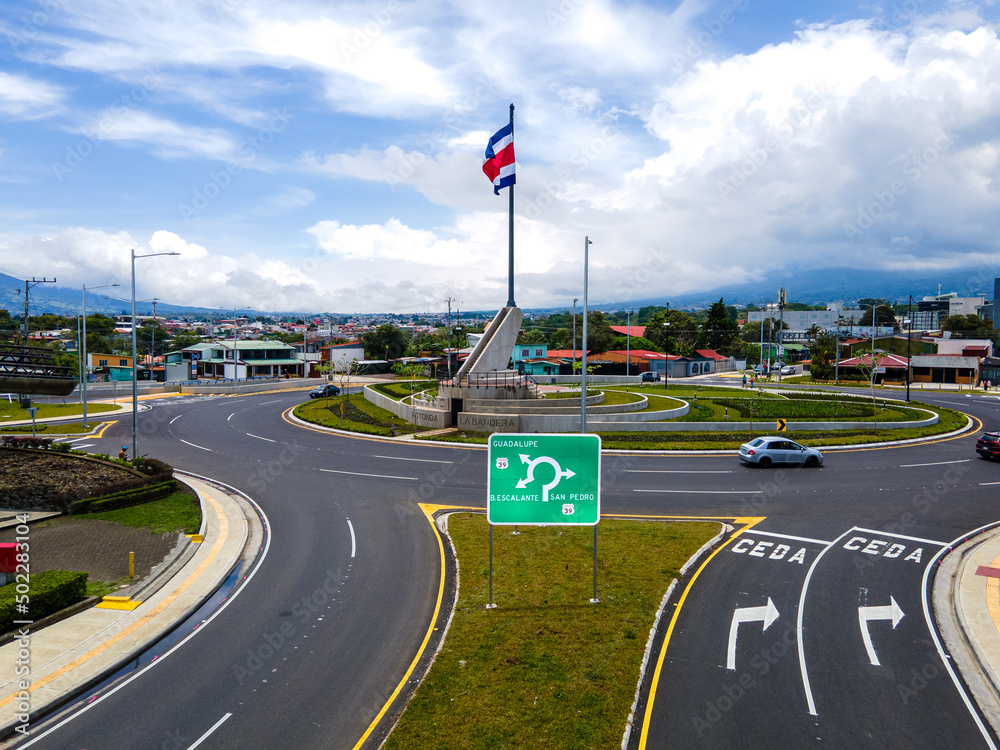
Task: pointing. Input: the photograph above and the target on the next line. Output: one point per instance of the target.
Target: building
(932, 310)
(216, 360)
(106, 367)
(802, 320)
(341, 355)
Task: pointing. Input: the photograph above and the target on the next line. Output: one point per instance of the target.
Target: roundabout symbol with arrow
(532, 463)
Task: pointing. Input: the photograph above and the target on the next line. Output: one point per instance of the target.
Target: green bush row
(46, 593)
(125, 498)
(775, 408)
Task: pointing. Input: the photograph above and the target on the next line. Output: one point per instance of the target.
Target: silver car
(773, 449)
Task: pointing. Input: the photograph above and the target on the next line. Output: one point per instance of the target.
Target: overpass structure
(31, 370)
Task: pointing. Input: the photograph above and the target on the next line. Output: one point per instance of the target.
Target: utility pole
(449, 301)
(781, 323)
(28, 284)
(574, 328)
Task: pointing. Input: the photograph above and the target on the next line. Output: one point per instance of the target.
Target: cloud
(24, 98)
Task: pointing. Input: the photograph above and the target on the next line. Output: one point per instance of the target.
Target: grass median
(546, 668)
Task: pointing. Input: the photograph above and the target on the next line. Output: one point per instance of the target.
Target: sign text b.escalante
(544, 479)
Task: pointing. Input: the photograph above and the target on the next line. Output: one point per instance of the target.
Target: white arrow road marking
(532, 463)
(767, 613)
(886, 612)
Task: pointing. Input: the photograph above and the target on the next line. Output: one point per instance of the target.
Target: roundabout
(865, 529)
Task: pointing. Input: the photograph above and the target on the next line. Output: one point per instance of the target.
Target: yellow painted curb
(118, 602)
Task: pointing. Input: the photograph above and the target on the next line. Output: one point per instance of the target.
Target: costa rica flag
(499, 162)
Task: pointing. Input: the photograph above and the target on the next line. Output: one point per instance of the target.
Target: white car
(788, 370)
(768, 450)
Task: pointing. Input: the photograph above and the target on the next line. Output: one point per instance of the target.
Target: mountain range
(815, 287)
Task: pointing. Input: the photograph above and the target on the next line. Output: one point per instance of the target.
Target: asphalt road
(836, 547)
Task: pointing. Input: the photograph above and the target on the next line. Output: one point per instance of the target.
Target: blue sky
(325, 156)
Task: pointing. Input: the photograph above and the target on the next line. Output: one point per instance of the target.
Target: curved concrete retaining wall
(424, 417)
(540, 404)
(571, 423)
(533, 408)
(607, 423)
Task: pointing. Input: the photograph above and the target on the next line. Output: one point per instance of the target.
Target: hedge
(125, 498)
(48, 593)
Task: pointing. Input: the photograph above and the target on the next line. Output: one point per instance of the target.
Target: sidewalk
(70, 655)
(966, 601)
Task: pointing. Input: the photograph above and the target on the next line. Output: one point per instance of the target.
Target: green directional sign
(544, 479)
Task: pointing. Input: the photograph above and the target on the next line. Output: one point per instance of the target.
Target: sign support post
(544, 480)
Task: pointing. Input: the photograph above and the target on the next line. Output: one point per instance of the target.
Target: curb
(50, 708)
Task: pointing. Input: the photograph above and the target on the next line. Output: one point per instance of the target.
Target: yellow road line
(429, 514)
(98, 650)
(993, 595)
(666, 639)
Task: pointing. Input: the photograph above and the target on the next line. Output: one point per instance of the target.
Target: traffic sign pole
(544, 479)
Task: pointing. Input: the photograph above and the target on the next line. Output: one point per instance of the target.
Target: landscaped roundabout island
(680, 417)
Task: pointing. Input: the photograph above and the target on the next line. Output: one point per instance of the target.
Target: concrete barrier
(421, 416)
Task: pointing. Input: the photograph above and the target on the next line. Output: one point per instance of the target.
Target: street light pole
(909, 324)
(135, 372)
(583, 369)
(628, 340)
(574, 328)
(83, 349)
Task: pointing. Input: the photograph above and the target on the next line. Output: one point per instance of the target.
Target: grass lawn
(355, 413)
(546, 669)
(48, 430)
(12, 411)
(177, 511)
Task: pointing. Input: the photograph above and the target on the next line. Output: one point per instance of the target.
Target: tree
(824, 352)
(385, 342)
(599, 333)
(182, 340)
(719, 330)
(646, 314)
(621, 343)
(884, 316)
(677, 338)
(97, 344)
(968, 327)
(534, 336)
(813, 332)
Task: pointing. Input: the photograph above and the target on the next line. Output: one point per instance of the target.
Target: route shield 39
(542, 479)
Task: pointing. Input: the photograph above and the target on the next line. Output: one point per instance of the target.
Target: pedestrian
(123, 453)
(751, 383)
(744, 380)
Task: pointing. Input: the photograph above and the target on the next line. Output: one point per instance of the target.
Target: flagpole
(510, 230)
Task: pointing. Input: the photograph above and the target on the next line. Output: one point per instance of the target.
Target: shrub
(125, 498)
(49, 592)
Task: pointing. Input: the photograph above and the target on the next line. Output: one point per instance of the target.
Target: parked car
(774, 449)
(650, 377)
(988, 445)
(788, 370)
(325, 391)
(777, 366)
